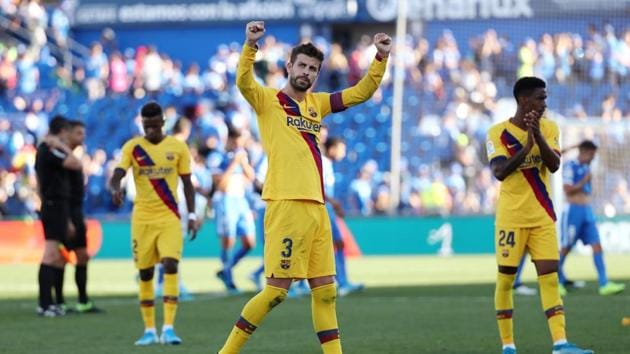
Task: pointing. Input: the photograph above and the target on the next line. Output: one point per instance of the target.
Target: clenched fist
(254, 31)
(383, 44)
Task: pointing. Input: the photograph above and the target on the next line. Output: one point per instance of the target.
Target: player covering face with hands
(298, 239)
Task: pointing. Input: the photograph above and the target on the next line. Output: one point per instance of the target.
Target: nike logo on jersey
(512, 146)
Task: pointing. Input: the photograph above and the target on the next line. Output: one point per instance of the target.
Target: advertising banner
(91, 13)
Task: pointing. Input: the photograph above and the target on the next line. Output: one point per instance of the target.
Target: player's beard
(297, 86)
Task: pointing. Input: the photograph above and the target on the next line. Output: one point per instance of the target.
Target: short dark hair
(333, 141)
(76, 123)
(587, 145)
(307, 49)
(151, 110)
(57, 124)
(525, 86)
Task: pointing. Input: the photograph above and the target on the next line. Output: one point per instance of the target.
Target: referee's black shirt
(52, 177)
(77, 188)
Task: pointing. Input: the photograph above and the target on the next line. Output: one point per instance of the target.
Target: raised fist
(254, 31)
(383, 44)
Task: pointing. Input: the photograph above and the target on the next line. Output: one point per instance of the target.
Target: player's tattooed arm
(502, 168)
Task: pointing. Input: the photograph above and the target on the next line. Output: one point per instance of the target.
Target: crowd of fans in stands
(457, 93)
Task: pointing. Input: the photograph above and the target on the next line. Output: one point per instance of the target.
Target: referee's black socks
(58, 285)
(46, 278)
(80, 277)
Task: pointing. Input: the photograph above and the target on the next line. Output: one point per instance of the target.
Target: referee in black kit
(53, 162)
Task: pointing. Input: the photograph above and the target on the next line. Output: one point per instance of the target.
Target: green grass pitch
(410, 305)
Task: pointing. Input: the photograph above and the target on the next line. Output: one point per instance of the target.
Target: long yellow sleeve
(245, 81)
(365, 88)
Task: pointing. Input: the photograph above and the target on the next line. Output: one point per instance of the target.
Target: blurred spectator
(118, 79)
(360, 194)
(452, 94)
(28, 74)
(96, 72)
(60, 25)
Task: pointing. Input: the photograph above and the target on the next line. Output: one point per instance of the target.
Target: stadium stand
(455, 87)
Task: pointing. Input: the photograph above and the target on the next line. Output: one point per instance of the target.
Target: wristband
(192, 216)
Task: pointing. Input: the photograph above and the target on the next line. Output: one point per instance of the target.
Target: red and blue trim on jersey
(336, 102)
(532, 175)
(293, 109)
(159, 184)
(328, 335)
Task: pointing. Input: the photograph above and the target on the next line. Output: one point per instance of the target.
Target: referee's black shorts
(79, 240)
(55, 215)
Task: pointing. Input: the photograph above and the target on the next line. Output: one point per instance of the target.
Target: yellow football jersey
(525, 195)
(290, 130)
(156, 171)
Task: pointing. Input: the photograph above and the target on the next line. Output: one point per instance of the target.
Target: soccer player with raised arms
(523, 152)
(298, 239)
(157, 161)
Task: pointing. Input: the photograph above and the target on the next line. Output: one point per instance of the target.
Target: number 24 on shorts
(506, 238)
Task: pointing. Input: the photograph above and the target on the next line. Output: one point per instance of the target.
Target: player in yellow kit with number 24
(523, 152)
(298, 238)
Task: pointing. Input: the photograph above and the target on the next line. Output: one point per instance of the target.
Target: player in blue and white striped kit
(335, 150)
(578, 219)
(259, 206)
(232, 175)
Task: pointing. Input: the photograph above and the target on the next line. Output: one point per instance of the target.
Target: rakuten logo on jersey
(303, 125)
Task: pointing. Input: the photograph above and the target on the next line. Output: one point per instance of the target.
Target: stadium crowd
(454, 92)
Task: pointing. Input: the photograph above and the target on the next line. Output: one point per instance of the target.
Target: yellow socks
(552, 305)
(171, 291)
(147, 306)
(504, 304)
(252, 316)
(323, 300)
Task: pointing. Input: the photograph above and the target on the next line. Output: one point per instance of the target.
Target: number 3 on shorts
(506, 238)
(288, 248)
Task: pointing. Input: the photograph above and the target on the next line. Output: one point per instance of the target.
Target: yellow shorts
(298, 240)
(511, 243)
(152, 242)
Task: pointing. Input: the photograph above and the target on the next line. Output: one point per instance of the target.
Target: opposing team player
(77, 241)
(232, 176)
(335, 150)
(298, 240)
(157, 161)
(578, 219)
(523, 152)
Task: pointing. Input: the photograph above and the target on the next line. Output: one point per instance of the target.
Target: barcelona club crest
(170, 156)
(311, 112)
(285, 263)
